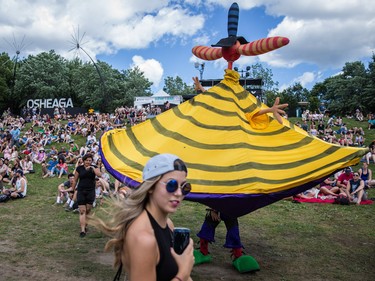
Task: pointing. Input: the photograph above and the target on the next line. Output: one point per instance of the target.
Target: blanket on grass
(326, 199)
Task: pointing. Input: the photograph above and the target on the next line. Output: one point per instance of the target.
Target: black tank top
(167, 267)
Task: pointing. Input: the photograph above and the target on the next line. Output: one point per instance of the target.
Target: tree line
(48, 75)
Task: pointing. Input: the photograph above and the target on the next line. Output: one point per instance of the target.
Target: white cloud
(202, 40)
(152, 69)
(325, 33)
(305, 79)
(168, 21)
(109, 25)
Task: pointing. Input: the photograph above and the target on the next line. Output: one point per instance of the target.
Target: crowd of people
(334, 130)
(345, 183)
(23, 148)
(87, 181)
(32, 141)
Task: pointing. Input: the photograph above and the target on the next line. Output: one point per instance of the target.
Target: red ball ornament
(230, 54)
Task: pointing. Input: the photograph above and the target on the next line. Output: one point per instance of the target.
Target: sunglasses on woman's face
(172, 186)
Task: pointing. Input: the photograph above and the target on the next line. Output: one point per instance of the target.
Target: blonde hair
(120, 214)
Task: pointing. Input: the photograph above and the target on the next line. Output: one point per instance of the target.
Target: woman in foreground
(140, 228)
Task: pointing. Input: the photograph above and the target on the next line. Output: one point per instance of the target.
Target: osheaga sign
(50, 103)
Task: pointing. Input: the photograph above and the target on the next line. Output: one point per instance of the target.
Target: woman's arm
(97, 172)
(143, 255)
(347, 190)
(360, 187)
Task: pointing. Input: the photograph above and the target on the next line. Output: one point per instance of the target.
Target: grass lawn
(40, 241)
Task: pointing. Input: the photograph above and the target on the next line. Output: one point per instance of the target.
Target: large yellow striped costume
(237, 163)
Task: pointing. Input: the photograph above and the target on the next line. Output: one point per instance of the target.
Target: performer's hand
(277, 110)
(215, 216)
(197, 85)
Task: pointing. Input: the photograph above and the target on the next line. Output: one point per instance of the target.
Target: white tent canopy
(160, 93)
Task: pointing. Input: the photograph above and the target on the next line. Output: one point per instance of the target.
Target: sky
(157, 36)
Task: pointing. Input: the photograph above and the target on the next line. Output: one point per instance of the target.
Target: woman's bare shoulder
(140, 229)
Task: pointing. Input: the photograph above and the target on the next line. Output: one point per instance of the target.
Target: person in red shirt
(343, 179)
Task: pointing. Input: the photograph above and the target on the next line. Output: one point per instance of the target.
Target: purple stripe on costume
(237, 205)
(122, 178)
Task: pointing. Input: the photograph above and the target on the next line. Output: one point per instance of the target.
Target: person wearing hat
(343, 179)
(140, 226)
(41, 156)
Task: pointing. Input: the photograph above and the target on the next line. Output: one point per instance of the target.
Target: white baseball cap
(161, 164)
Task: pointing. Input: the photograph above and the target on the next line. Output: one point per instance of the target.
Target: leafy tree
(42, 76)
(368, 94)
(292, 95)
(175, 86)
(6, 80)
(134, 84)
(89, 89)
(258, 71)
(269, 87)
(75, 77)
(347, 91)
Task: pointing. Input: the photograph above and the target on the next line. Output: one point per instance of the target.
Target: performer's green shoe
(245, 264)
(200, 258)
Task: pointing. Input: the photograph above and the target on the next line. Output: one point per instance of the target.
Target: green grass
(39, 241)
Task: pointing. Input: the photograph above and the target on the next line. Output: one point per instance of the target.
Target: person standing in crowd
(140, 226)
(85, 176)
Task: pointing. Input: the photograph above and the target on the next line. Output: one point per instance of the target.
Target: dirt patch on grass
(105, 258)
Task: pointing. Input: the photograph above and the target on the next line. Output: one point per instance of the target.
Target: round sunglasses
(172, 186)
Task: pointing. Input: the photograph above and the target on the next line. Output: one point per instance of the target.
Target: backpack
(342, 200)
(4, 198)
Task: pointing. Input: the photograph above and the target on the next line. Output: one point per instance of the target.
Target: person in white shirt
(90, 139)
(19, 189)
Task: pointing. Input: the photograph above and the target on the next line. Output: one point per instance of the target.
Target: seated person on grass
(72, 157)
(19, 186)
(3, 172)
(65, 191)
(343, 179)
(121, 189)
(308, 194)
(61, 168)
(366, 175)
(371, 154)
(99, 192)
(327, 187)
(50, 166)
(27, 165)
(103, 184)
(355, 189)
(371, 123)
